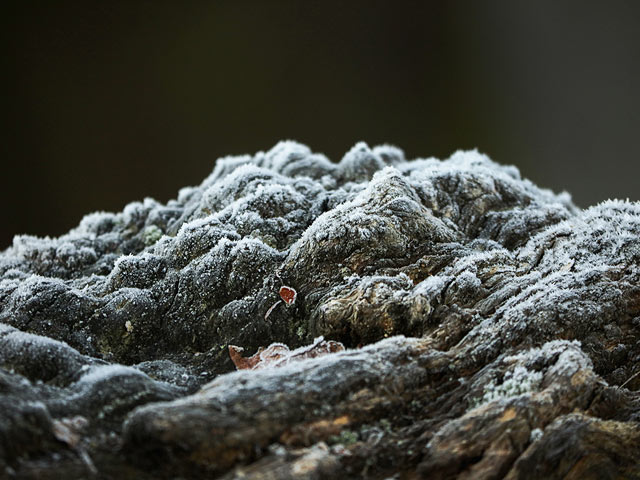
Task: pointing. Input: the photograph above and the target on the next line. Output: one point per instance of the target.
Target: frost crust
(468, 299)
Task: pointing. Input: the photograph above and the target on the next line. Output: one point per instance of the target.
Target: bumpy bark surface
(489, 328)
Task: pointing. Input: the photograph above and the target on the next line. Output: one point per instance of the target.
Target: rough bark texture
(489, 326)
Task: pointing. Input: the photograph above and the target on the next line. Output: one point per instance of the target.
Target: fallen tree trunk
(490, 328)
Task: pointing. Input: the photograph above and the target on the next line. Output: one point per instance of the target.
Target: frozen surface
(462, 292)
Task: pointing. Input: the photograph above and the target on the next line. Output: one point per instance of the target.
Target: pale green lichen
(151, 235)
(517, 382)
(536, 434)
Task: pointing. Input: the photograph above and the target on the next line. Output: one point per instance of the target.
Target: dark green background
(108, 102)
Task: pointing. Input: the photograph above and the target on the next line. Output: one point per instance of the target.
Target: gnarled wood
(489, 325)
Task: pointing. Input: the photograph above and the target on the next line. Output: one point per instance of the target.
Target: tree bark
(490, 328)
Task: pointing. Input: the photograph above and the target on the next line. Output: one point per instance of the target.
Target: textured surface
(488, 326)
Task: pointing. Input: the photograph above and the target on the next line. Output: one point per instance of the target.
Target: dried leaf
(278, 354)
(288, 294)
(239, 361)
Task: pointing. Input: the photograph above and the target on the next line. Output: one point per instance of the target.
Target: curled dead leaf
(278, 354)
(288, 294)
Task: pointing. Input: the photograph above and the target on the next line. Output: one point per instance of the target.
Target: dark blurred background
(109, 102)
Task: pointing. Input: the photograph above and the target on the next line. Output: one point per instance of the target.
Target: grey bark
(489, 326)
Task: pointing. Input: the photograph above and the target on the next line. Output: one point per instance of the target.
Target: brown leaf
(288, 294)
(239, 361)
(278, 354)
